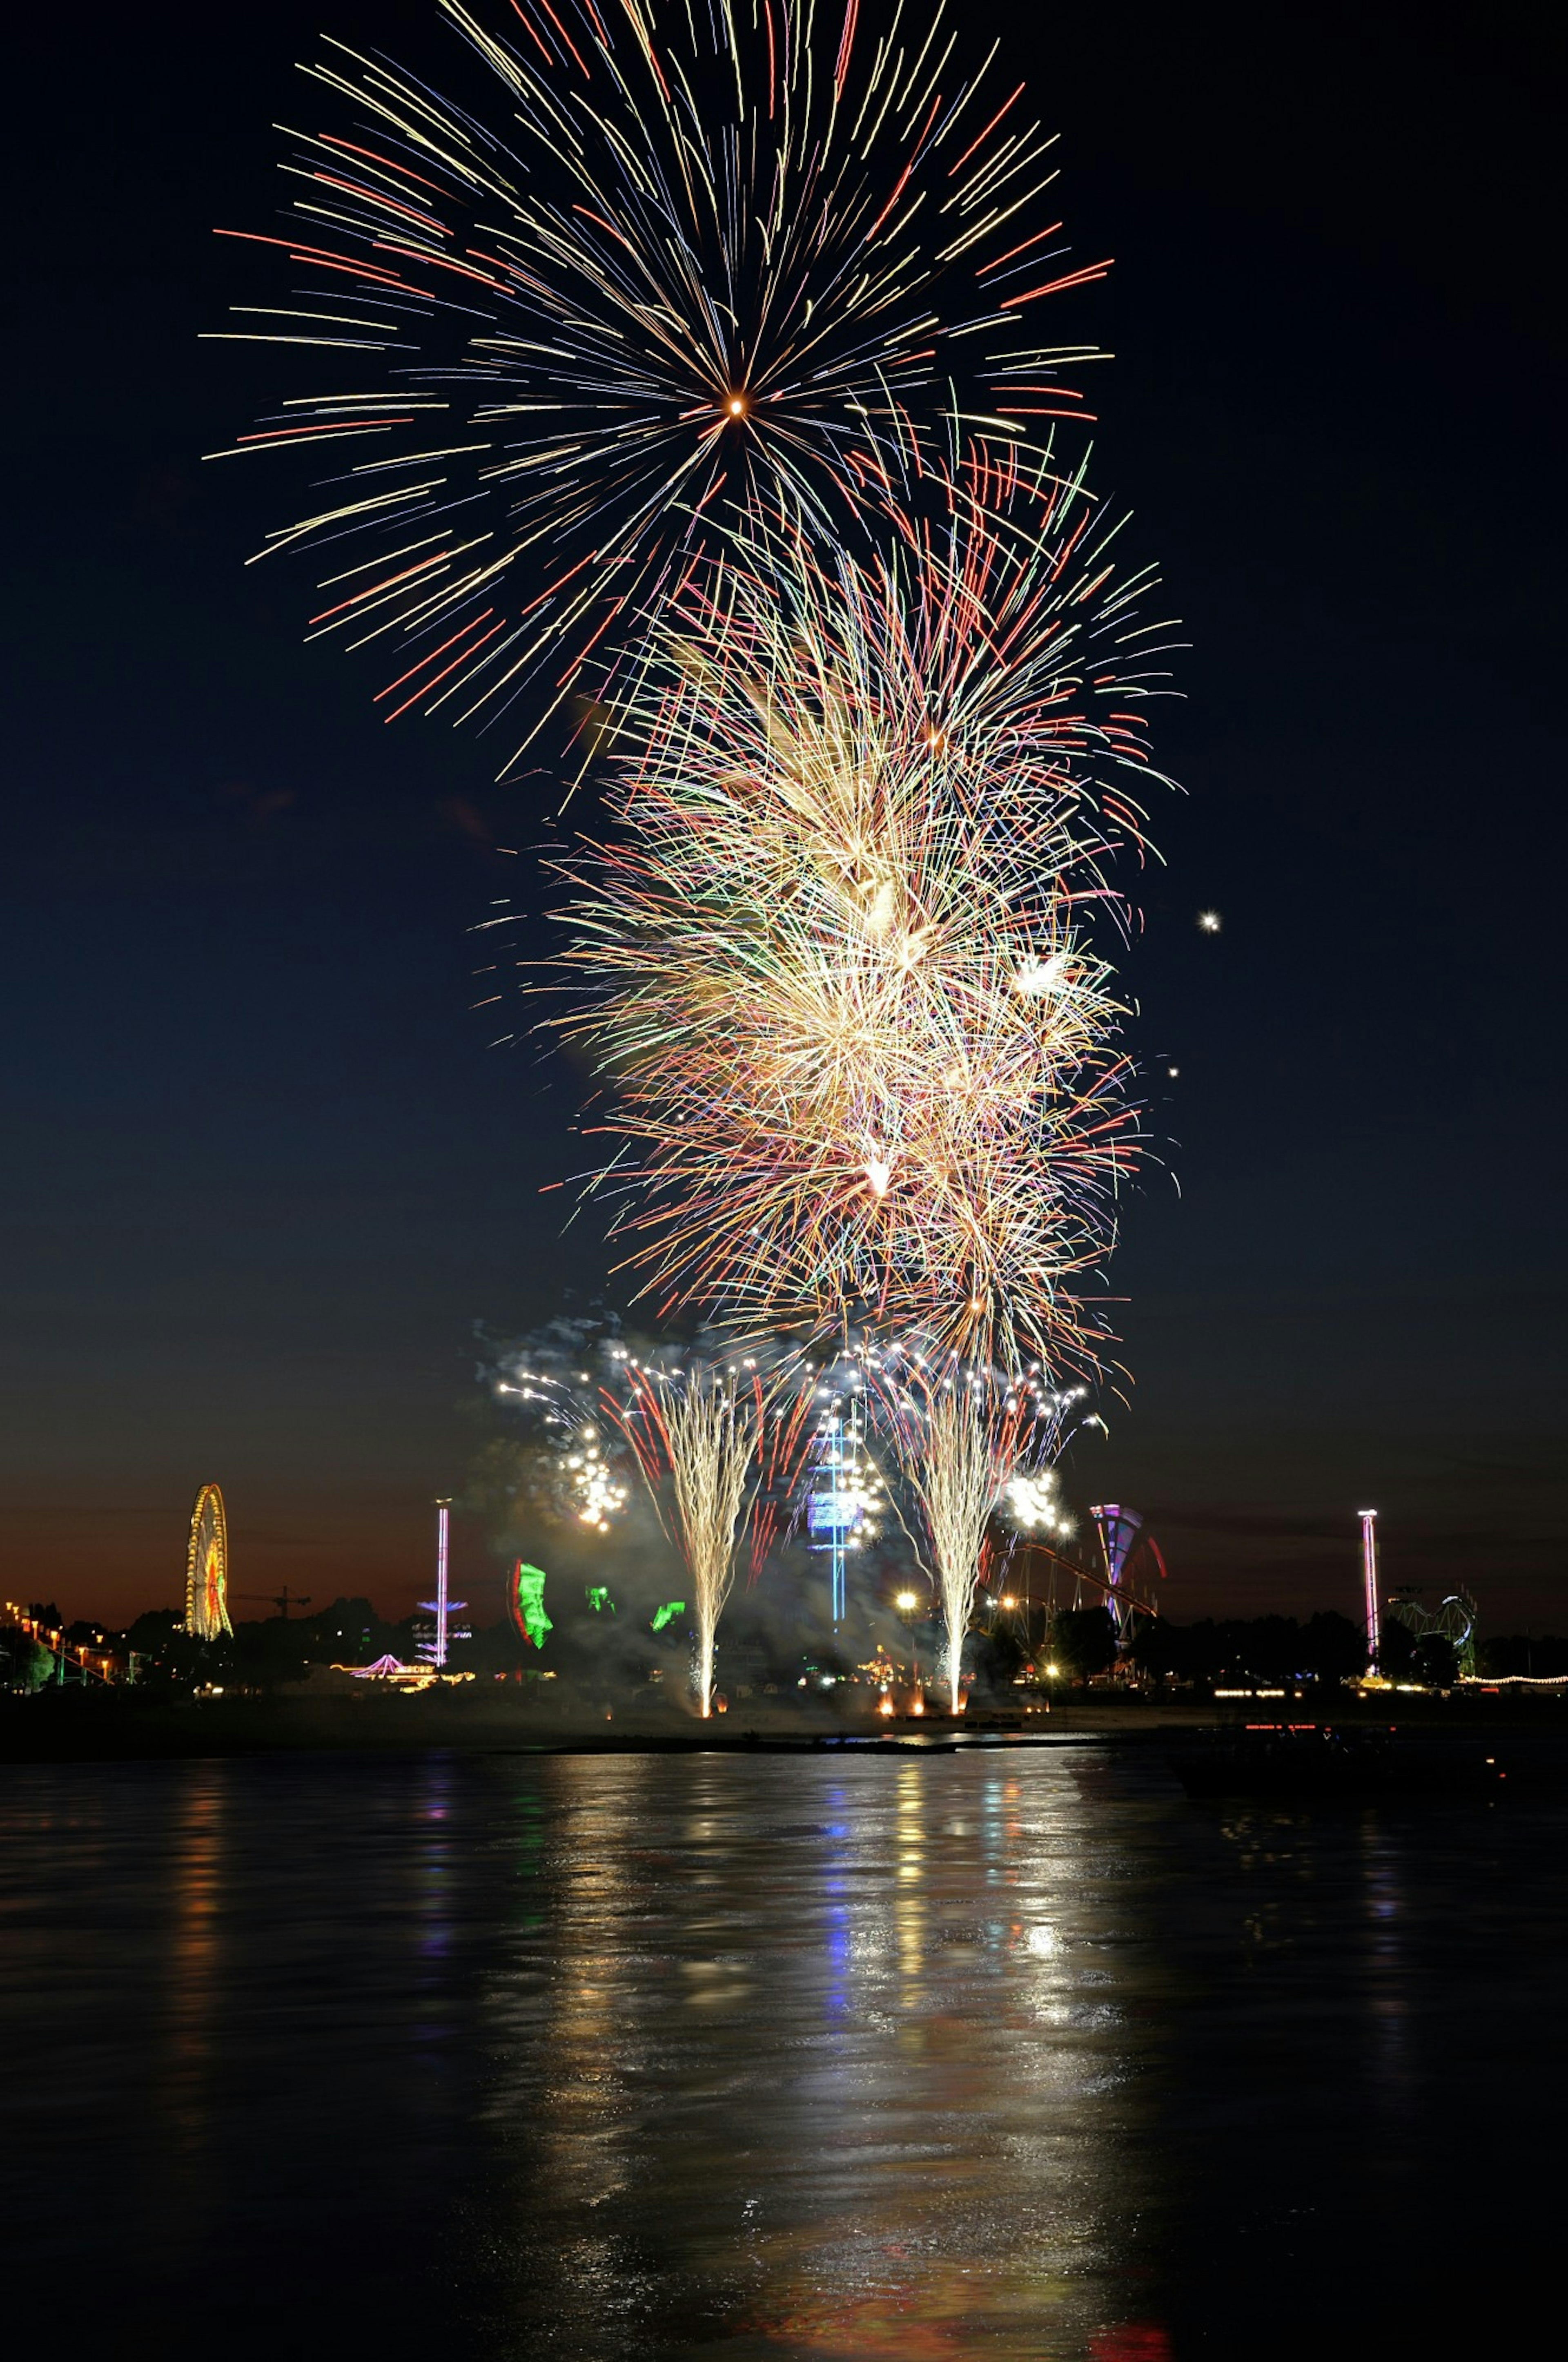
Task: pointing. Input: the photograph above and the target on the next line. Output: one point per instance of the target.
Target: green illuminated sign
(528, 1603)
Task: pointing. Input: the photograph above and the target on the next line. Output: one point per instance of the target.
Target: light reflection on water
(1001, 2054)
(866, 2080)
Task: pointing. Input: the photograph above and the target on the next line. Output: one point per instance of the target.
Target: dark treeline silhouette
(284, 1649)
(1539, 1656)
(1324, 1648)
(584, 1644)
(588, 1648)
(1257, 1647)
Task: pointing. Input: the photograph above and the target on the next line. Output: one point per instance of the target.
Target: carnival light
(525, 1604)
(207, 1568)
(443, 1607)
(1369, 1588)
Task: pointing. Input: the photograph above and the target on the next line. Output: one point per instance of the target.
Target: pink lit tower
(1369, 1575)
(442, 1608)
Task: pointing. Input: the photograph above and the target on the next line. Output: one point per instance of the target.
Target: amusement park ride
(1453, 1619)
(1369, 1586)
(207, 1574)
(835, 1507)
(207, 1568)
(435, 1646)
(1123, 1583)
(1130, 1554)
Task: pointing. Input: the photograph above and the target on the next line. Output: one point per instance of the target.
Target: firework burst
(666, 263)
(969, 1440)
(703, 1434)
(578, 1475)
(716, 1438)
(840, 972)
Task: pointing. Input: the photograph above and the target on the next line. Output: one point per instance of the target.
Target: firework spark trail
(858, 1048)
(705, 1435)
(665, 264)
(718, 1439)
(967, 1438)
(731, 1432)
(578, 1476)
(958, 1475)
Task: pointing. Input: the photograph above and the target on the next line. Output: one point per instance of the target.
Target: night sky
(264, 1175)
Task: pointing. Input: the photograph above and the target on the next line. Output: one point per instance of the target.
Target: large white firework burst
(842, 969)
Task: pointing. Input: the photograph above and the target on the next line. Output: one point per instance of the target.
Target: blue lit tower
(830, 1512)
(844, 1492)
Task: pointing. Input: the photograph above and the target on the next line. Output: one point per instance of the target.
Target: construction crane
(282, 1600)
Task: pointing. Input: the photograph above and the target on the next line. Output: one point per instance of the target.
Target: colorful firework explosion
(667, 263)
(840, 972)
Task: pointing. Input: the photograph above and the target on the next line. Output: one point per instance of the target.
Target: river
(1005, 2053)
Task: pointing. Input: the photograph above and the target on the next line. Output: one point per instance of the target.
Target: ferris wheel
(207, 1568)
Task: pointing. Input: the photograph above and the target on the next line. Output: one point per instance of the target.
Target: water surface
(1004, 2054)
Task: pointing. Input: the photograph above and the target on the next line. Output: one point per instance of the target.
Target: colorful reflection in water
(849, 2060)
(633, 2058)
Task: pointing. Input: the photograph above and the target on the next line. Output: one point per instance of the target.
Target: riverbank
(118, 1724)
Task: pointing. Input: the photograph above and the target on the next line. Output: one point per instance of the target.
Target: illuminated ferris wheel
(207, 1568)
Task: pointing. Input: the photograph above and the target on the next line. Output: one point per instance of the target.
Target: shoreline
(130, 1725)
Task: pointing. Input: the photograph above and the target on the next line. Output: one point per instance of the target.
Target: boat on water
(1309, 1760)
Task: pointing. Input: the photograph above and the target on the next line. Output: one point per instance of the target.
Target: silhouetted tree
(1437, 1660)
(1502, 1653)
(1084, 1640)
(1331, 1646)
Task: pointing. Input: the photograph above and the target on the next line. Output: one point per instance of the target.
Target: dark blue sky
(263, 1174)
